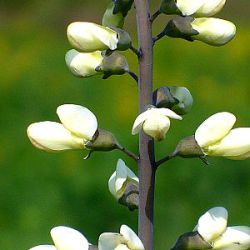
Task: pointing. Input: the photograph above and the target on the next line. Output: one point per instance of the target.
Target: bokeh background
(39, 190)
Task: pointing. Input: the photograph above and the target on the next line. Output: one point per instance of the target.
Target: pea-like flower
(212, 226)
(90, 37)
(65, 238)
(78, 126)
(217, 138)
(121, 179)
(126, 240)
(154, 122)
(213, 31)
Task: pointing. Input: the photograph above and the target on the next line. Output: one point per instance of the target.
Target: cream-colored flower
(89, 37)
(212, 224)
(213, 31)
(78, 126)
(189, 7)
(217, 138)
(65, 238)
(83, 64)
(234, 238)
(125, 240)
(120, 179)
(154, 122)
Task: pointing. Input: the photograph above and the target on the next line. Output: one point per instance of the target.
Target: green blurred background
(39, 190)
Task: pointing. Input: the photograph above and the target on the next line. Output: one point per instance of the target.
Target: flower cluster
(195, 22)
(66, 238)
(93, 50)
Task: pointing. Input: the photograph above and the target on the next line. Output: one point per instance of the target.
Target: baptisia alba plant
(154, 122)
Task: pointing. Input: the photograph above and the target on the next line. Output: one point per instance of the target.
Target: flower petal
(110, 241)
(89, 37)
(235, 145)
(78, 119)
(189, 7)
(168, 112)
(214, 128)
(212, 224)
(111, 185)
(140, 120)
(234, 238)
(52, 136)
(121, 175)
(210, 8)
(66, 238)
(43, 247)
(213, 31)
(133, 241)
(83, 64)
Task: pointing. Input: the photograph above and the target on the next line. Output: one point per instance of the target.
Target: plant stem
(133, 75)
(128, 153)
(146, 162)
(155, 15)
(159, 36)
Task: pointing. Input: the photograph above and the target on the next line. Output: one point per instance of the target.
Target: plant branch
(133, 75)
(129, 153)
(154, 16)
(146, 162)
(164, 159)
(158, 37)
(136, 51)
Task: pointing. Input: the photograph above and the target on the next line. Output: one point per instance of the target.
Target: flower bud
(162, 98)
(114, 64)
(212, 224)
(154, 122)
(234, 238)
(122, 180)
(83, 64)
(213, 31)
(185, 100)
(102, 141)
(191, 241)
(89, 37)
(122, 6)
(169, 7)
(111, 19)
(53, 136)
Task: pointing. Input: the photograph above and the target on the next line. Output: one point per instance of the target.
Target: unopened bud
(185, 100)
(188, 148)
(111, 19)
(103, 141)
(130, 197)
(124, 39)
(191, 241)
(113, 64)
(122, 6)
(162, 98)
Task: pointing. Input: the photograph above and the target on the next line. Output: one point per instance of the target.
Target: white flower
(212, 224)
(65, 238)
(89, 37)
(120, 179)
(125, 240)
(213, 31)
(217, 138)
(154, 122)
(210, 8)
(200, 7)
(83, 64)
(78, 127)
(234, 238)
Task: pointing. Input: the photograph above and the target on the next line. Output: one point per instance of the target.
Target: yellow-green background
(39, 190)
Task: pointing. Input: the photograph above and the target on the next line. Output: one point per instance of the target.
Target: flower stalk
(146, 162)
